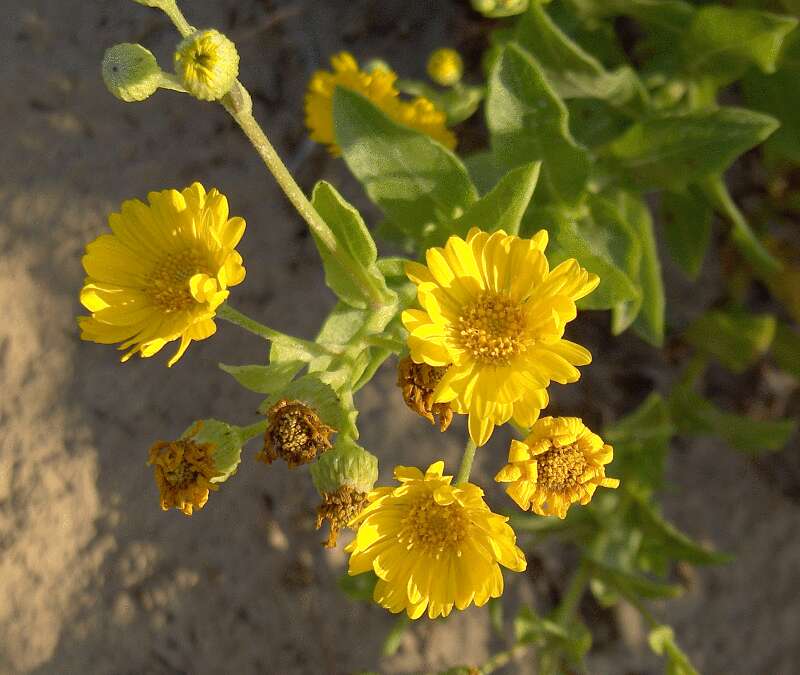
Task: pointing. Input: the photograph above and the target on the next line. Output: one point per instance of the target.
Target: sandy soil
(94, 578)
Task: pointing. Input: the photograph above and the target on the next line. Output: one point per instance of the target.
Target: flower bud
(207, 64)
(445, 67)
(131, 72)
(188, 469)
(296, 433)
(343, 477)
(500, 8)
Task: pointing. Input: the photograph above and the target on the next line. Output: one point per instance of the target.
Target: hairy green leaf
(264, 379)
(786, 349)
(687, 228)
(736, 339)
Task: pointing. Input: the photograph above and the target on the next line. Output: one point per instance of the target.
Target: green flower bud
(226, 441)
(497, 9)
(445, 67)
(131, 72)
(207, 64)
(346, 465)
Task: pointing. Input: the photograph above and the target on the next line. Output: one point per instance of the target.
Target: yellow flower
(162, 273)
(378, 86)
(445, 67)
(495, 313)
(184, 470)
(432, 545)
(207, 64)
(561, 462)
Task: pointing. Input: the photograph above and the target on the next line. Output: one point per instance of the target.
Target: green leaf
(736, 339)
(573, 72)
(359, 587)
(646, 314)
(786, 349)
(458, 103)
(528, 122)
(675, 150)
(419, 184)
(504, 207)
(687, 228)
(486, 169)
(342, 325)
(264, 379)
(530, 628)
(668, 15)
(777, 95)
(395, 636)
(601, 241)
(722, 42)
(632, 585)
(351, 235)
(662, 641)
(695, 415)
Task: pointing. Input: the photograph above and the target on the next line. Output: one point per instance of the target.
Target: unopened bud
(497, 9)
(445, 67)
(131, 72)
(207, 64)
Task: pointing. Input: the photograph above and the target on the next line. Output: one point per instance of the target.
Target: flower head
(130, 72)
(162, 272)
(561, 462)
(207, 64)
(339, 508)
(378, 85)
(418, 380)
(184, 470)
(445, 67)
(495, 313)
(295, 433)
(432, 545)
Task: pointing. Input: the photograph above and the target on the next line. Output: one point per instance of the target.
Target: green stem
(502, 658)
(238, 104)
(234, 316)
(257, 429)
(171, 9)
(572, 596)
(466, 463)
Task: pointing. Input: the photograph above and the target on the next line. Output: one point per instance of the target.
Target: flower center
(433, 527)
(492, 329)
(560, 469)
(182, 461)
(291, 432)
(168, 283)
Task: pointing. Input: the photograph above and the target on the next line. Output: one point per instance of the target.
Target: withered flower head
(339, 508)
(295, 433)
(418, 381)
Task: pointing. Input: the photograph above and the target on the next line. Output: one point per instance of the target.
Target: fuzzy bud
(207, 64)
(131, 72)
(346, 464)
(445, 67)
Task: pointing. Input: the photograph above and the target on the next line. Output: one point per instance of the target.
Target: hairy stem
(466, 463)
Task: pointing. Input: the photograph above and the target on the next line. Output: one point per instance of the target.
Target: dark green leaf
(673, 16)
(786, 349)
(687, 228)
(486, 169)
(736, 339)
(529, 122)
(632, 585)
(675, 150)
(419, 184)
(504, 207)
(359, 587)
(777, 95)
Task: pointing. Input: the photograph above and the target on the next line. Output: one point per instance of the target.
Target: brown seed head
(339, 508)
(295, 433)
(418, 381)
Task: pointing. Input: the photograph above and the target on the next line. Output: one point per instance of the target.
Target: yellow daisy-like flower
(379, 87)
(162, 273)
(494, 311)
(432, 545)
(561, 462)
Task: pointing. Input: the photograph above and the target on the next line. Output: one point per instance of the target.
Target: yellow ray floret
(560, 463)
(162, 272)
(494, 312)
(378, 86)
(433, 546)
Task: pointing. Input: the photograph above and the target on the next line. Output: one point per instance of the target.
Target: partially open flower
(343, 477)
(296, 433)
(445, 67)
(418, 381)
(207, 64)
(561, 462)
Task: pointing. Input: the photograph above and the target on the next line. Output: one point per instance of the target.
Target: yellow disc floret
(561, 462)
(433, 546)
(378, 85)
(207, 64)
(162, 272)
(494, 313)
(445, 67)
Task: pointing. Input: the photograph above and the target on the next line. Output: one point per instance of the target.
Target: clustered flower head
(432, 545)
(207, 64)
(561, 462)
(295, 433)
(162, 272)
(378, 85)
(493, 313)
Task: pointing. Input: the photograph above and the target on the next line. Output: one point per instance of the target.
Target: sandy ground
(94, 578)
